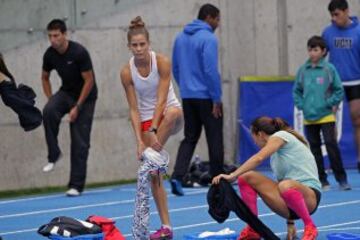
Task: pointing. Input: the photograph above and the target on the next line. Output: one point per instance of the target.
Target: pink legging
(248, 195)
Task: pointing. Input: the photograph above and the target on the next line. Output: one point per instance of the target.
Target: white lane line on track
(170, 211)
(339, 224)
(88, 191)
(19, 231)
(214, 222)
(114, 218)
(340, 229)
(65, 209)
(207, 223)
(321, 228)
(48, 197)
(271, 214)
(339, 204)
(82, 207)
(168, 190)
(332, 227)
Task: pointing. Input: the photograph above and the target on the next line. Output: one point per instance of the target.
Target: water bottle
(196, 171)
(195, 163)
(197, 159)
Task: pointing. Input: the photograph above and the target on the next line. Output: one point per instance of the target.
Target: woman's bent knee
(285, 185)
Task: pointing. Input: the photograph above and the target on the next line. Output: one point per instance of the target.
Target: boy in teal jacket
(317, 92)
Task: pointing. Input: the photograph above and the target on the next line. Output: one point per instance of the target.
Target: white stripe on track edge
(48, 197)
(214, 222)
(82, 207)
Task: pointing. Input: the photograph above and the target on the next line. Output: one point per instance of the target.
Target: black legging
(332, 148)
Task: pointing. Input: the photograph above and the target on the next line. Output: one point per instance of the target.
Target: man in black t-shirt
(76, 96)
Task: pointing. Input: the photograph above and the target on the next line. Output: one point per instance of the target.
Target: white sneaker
(72, 192)
(49, 167)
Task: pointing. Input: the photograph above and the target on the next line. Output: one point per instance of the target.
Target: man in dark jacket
(195, 69)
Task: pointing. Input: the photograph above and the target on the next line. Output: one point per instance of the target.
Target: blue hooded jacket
(195, 62)
(343, 44)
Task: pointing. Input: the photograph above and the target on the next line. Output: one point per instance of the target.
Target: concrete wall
(257, 37)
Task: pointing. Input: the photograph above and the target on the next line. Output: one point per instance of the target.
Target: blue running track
(339, 211)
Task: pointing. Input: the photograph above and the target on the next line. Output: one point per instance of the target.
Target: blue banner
(272, 96)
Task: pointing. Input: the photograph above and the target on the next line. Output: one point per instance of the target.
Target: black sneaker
(344, 186)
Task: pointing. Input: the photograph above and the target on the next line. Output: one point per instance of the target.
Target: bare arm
(273, 144)
(164, 69)
(88, 77)
(128, 84)
(45, 78)
(89, 81)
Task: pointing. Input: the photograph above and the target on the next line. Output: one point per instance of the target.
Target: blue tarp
(274, 99)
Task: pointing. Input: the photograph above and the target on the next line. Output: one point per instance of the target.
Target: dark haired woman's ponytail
(298, 136)
(272, 125)
(280, 124)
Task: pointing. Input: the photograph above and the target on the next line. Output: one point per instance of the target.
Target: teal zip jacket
(317, 89)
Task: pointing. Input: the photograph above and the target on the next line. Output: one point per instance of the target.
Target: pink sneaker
(162, 234)
(248, 234)
(310, 232)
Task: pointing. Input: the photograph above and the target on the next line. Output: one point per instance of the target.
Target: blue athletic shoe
(176, 187)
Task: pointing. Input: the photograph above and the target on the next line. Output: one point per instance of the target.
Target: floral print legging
(151, 165)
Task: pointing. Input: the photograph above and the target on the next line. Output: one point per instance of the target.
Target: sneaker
(176, 187)
(72, 192)
(162, 234)
(328, 171)
(249, 234)
(325, 186)
(310, 233)
(48, 167)
(344, 186)
(51, 165)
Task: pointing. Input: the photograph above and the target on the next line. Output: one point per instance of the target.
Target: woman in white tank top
(155, 111)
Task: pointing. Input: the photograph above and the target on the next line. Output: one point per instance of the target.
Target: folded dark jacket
(21, 99)
(222, 198)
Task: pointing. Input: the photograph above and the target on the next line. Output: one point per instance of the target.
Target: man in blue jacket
(343, 41)
(195, 69)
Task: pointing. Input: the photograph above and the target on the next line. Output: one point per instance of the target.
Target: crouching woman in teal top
(296, 192)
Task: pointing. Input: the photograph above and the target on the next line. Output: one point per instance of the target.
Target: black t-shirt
(69, 66)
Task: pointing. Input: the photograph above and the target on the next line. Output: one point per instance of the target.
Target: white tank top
(146, 89)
